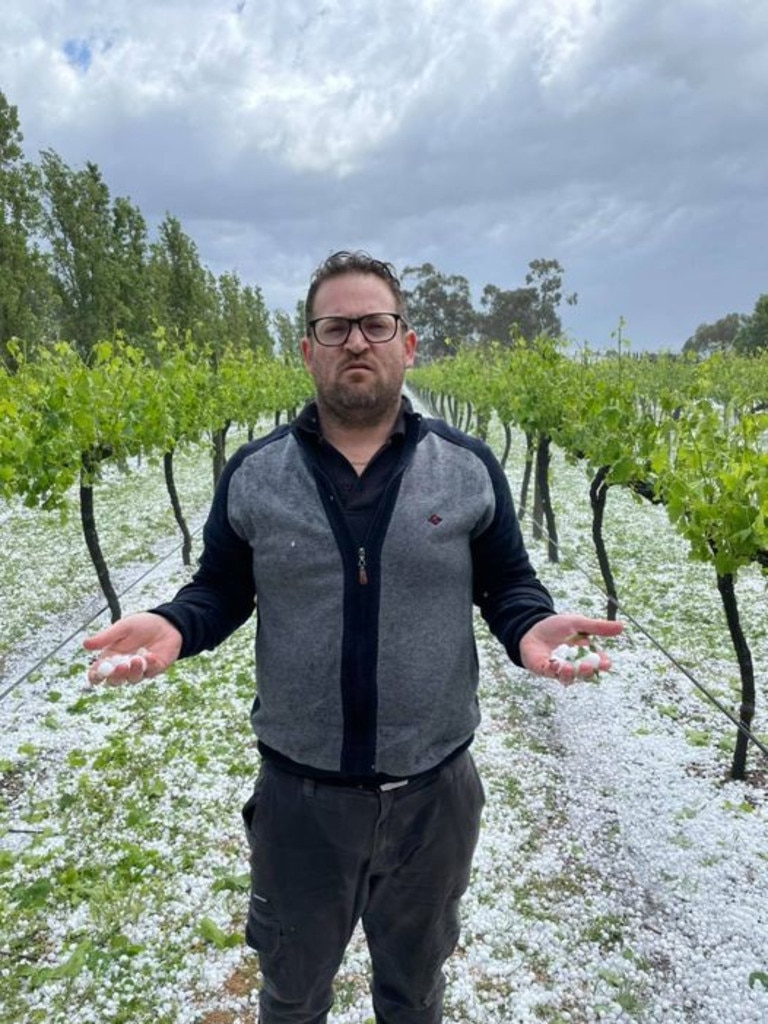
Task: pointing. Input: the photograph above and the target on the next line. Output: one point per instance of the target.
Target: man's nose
(357, 341)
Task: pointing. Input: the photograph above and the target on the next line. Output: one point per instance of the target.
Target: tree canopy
(736, 332)
(25, 293)
(439, 309)
(753, 335)
(79, 264)
(717, 337)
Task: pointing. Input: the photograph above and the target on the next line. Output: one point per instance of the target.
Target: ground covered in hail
(621, 876)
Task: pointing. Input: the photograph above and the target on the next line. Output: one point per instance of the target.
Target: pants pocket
(250, 806)
(262, 930)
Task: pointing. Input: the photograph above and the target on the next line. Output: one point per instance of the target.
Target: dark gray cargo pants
(325, 856)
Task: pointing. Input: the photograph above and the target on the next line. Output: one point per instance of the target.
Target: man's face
(358, 382)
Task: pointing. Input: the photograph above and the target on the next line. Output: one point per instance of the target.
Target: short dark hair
(357, 262)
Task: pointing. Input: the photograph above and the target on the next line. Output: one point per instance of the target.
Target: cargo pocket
(262, 930)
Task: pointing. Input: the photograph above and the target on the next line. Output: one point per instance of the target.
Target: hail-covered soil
(620, 875)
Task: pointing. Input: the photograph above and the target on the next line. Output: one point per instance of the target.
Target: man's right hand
(137, 647)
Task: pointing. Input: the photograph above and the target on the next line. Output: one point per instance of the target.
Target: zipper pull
(362, 574)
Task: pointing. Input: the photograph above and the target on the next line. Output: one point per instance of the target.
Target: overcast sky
(626, 138)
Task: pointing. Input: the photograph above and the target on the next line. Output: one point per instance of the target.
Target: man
(365, 533)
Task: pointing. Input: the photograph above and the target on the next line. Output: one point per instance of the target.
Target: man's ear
(306, 352)
(410, 342)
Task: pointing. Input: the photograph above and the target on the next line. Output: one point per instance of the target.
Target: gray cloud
(627, 140)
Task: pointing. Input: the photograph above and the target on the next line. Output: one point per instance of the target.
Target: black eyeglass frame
(357, 321)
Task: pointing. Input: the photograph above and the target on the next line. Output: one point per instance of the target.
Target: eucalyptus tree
(507, 314)
(715, 337)
(525, 313)
(439, 309)
(753, 335)
(545, 276)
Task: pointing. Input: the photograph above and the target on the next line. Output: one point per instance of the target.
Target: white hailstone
(592, 660)
(106, 666)
(565, 654)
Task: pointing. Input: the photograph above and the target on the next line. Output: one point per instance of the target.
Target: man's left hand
(539, 644)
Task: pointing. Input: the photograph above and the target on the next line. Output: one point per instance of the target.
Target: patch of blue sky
(78, 53)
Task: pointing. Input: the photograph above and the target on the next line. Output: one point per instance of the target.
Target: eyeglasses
(376, 328)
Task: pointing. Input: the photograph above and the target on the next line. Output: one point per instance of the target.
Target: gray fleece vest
(373, 676)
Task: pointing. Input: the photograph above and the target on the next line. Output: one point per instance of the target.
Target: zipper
(362, 556)
(362, 571)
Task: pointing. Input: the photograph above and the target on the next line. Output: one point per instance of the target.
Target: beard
(355, 405)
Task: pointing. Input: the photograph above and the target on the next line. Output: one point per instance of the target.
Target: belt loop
(308, 787)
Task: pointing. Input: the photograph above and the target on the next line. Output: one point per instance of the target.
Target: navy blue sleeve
(220, 596)
(510, 596)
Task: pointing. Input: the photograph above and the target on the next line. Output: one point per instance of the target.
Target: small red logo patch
(435, 519)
